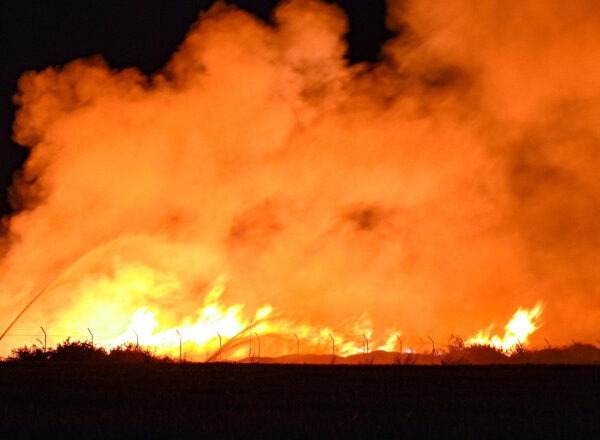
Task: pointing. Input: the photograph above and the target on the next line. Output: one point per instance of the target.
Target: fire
(260, 190)
(219, 332)
(521, 326)
(212, 320)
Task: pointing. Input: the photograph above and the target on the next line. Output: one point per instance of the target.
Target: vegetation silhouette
(456, 352)
(84, 351)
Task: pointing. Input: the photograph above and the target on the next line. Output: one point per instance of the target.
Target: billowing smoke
(433, 192)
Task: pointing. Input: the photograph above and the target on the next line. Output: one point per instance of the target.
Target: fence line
(50, 337)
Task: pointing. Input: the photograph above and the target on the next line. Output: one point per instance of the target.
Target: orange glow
(521, 326)
(261, 190)
(214, 325)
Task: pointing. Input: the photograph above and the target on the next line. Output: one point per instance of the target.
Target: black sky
(144, 34)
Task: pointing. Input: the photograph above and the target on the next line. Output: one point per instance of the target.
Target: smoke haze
(431, 193)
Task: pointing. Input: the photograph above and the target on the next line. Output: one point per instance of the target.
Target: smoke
(435, 191)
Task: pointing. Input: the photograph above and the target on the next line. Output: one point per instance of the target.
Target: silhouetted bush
(29, 354)
(132, 353)
(573, 354)
(457, 352)
(484, 354)
(78, 351)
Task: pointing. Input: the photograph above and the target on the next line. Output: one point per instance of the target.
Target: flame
(212, 319)
(261, 190)
(219, 332)
(521, 326)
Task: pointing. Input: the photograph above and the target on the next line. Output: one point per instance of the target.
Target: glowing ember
(521, 326)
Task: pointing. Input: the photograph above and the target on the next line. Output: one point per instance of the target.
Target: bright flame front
(521, 326)
(218, 332)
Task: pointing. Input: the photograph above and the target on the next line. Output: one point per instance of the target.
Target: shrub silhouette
(29, 354)
(458, 352)
(77, 351)
(131, 353)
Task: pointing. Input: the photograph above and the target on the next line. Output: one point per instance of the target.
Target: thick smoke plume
(433, 192)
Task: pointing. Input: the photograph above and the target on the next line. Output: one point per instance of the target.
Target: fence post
(45, 338)
(179, 334)
(250, 345)
(432, 345)
(258, 337)
(332, 344)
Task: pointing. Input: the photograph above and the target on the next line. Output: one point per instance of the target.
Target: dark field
(298, 401)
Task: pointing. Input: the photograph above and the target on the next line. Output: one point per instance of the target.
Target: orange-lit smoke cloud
(433, 192)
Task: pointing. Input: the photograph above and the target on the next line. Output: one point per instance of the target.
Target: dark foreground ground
(298, 401)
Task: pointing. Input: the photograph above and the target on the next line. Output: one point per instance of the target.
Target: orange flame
(220, 332)
(521, 326)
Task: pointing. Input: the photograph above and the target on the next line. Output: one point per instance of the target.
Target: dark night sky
(42, 33)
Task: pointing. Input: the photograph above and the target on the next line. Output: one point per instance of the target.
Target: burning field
(262, 194)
